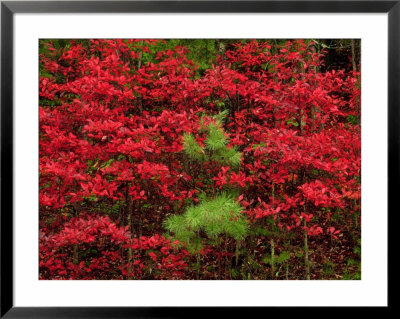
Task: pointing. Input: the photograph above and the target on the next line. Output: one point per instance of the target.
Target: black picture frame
(9, 8)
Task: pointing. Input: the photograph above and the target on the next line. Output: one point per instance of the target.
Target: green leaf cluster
(192, 148)
(216, 138)
(281, 258)
(215, 148)
(213, 217)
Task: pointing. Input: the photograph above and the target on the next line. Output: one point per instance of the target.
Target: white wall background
(370, 291)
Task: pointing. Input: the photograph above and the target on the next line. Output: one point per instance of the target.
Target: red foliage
(112, 134)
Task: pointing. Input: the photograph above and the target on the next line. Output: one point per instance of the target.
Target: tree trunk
(272, 259)
(75, 259)
(353, 55)
(306, 260)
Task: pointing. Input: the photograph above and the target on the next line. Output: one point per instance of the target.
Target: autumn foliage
(153, 169)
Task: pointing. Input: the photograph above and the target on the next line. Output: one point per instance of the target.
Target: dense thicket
(199, 159)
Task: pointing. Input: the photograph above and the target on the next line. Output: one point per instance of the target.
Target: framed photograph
(158, 156)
